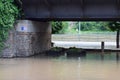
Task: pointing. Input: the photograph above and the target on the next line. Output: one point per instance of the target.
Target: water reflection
(91, 67)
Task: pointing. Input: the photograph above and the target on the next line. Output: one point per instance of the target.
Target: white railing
(87, 37)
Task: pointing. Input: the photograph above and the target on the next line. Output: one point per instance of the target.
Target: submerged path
(85, 45)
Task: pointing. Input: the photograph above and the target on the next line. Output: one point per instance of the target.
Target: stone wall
(28, 38)
(10, 48)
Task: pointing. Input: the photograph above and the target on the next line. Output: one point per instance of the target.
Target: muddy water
(92, 67)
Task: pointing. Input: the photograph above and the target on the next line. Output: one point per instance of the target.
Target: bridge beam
(78, 10)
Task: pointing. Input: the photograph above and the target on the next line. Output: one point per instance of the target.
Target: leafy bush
(74, 49)
(8, 14)
(56, 27)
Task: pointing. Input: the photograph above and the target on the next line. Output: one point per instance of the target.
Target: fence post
(102, 46)
(102, 49)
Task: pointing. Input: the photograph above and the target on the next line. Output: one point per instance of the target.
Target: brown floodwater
(91, 67)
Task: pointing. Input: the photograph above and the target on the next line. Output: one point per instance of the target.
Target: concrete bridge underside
(71, 9)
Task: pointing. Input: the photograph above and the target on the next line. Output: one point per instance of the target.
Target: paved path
(85, 45)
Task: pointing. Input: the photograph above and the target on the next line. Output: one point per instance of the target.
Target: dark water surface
(91, 67)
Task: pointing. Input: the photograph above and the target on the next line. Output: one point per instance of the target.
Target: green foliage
(8, 15)
(114, 25)
(56, 27)
(94, 26)
(74, 49)
(65, 27)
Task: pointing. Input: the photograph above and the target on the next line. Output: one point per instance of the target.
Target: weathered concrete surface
(28, 38)
(9, 50)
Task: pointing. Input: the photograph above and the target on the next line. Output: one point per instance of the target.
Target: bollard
(102, 49)
(102, 46)
(52, 44)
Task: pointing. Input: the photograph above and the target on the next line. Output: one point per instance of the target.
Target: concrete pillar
(31, 37)
(9, 49)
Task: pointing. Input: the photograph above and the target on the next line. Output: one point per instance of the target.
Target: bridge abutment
(29, 38)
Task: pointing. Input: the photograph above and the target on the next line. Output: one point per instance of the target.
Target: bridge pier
(29, 38)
